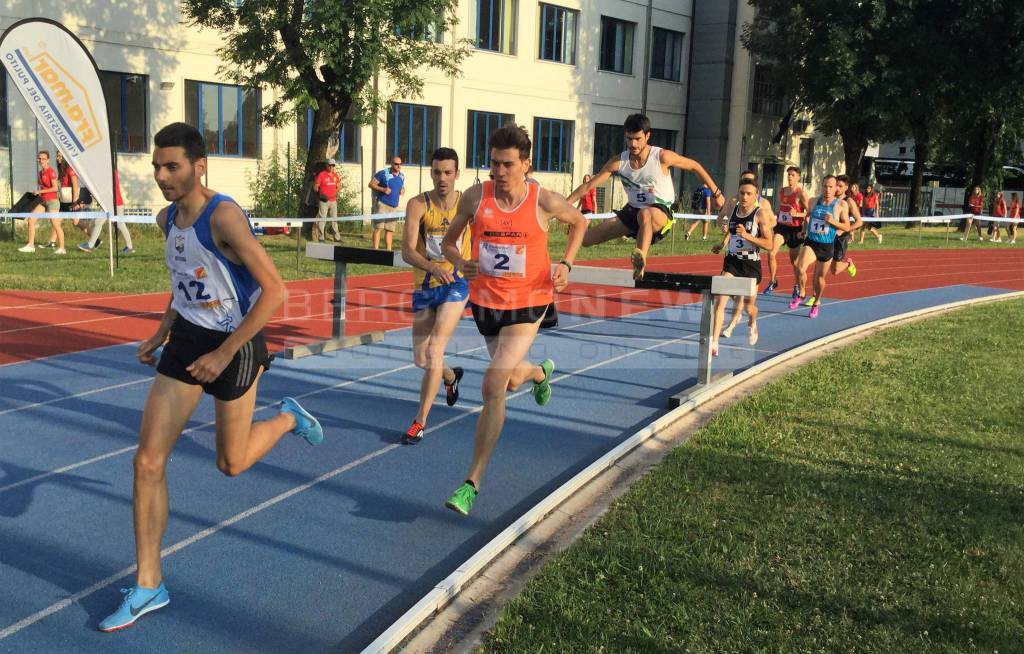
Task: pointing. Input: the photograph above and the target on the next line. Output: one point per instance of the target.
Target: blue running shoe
(137, 602)
(305, 424)
(772, 285)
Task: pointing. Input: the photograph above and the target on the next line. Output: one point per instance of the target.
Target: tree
(824, 55)
(324, 55)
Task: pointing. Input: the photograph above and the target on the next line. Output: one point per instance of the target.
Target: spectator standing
(47, 190)
(588, 203)
(97, 225)
(701, 203)
(975, 204)
(326, 187)
(1015, 214)
(69, 189)
(389, 186)
(871, 209)
(998, 211)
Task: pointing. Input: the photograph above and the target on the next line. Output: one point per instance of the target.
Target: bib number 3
(499, 260)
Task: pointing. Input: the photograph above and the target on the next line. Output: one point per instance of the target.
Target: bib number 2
(499, 260)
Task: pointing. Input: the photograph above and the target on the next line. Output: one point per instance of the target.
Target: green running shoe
(810, 301)
(852, 270)
(462, 499)
(542, 390)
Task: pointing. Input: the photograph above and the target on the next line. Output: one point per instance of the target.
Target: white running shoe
(60, 251)
(752, 339)
(27, 248)
(727, 332)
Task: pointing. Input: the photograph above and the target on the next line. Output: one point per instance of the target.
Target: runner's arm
(805, 201)
(557, 207)
(148, 347)
(414, 211)
(768, 212)
(450, 245)
(767, 238)
(673, 160)
(855, 219)
(610, 168)
(723, 212)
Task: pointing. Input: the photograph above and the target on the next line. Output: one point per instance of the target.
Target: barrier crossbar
(705, 285)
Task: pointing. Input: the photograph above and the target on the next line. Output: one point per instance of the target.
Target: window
(348, 136)
(666, 54)
(413, 132)
(227, 116)
(495, 25)
(807, 159)
(617, 45)
(552, 145)
(419, 32)
(126, 108)
(558, 34)
(663, 138)
(608, 142)
(480, 124)
(767, 96)
(5, 128)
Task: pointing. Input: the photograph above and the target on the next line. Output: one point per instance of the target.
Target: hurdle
(343, 255)
(707, 286)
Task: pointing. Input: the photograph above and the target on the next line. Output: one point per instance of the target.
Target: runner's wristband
(566, 264)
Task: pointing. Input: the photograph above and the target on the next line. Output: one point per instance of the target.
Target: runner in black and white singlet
(748, 232)
(224, 289)
(643, 170)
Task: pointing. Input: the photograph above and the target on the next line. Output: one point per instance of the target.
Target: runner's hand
(560, 277)
(442, 273)
(742, 232)
(470, 269)
(148, 347)
(208, 367)
(716, 248)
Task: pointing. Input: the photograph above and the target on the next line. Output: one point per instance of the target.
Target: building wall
(149, 37)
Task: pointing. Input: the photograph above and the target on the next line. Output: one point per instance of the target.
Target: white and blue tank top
(818, 230)
(207, 288)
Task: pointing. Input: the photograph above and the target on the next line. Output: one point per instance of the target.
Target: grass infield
(145, 271)
(870, 502)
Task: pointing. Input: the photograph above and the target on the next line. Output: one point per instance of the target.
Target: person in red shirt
(97, 225)
(326, 187)
(588, 203)
(1015, 214)
(976, 204)
(998, 211)
(47, 190)
(871, 209)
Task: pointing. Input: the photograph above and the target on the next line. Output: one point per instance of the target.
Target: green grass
(871, 502)
(145, 271)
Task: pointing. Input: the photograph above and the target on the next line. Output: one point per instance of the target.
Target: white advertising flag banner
(58, 78)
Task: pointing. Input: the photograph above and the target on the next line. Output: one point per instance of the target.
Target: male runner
(793, 203)
(441, 293)
(840, 259)
(749, 230)
(829, 215)
(224, 289)
(644, 171)
(511, 283)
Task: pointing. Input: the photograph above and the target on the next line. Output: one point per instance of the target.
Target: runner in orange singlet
(511, 283)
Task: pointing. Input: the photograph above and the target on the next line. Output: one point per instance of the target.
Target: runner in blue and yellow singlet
(440, 294)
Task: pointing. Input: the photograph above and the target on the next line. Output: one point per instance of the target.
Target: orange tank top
(787, 204)
(511, 248)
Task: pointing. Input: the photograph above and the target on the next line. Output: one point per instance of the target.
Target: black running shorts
(842, 243)
(188, 342)
(738, 267)
(628, 216)
(823, 251)
(793, 236)
(489, 322)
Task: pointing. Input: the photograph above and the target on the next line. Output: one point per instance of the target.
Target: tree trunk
(326, 125)
(921, 148)
(985, 148)
(855, 143)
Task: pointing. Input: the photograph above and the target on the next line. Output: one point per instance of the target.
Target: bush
(276, 191)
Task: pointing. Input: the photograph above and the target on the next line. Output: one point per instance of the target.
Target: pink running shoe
(814, 311)
(795, 302)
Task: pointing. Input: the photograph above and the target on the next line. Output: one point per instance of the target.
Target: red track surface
(35, 324)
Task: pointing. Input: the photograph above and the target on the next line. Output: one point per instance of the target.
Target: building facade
(569, 71)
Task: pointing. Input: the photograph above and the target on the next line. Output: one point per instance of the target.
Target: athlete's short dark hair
(793, 169)
(637, 123)
(746, 181)
(749, 174)
(184, 136)
(845, 179)
(826, 177)
(445, 154)
(511, 136)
